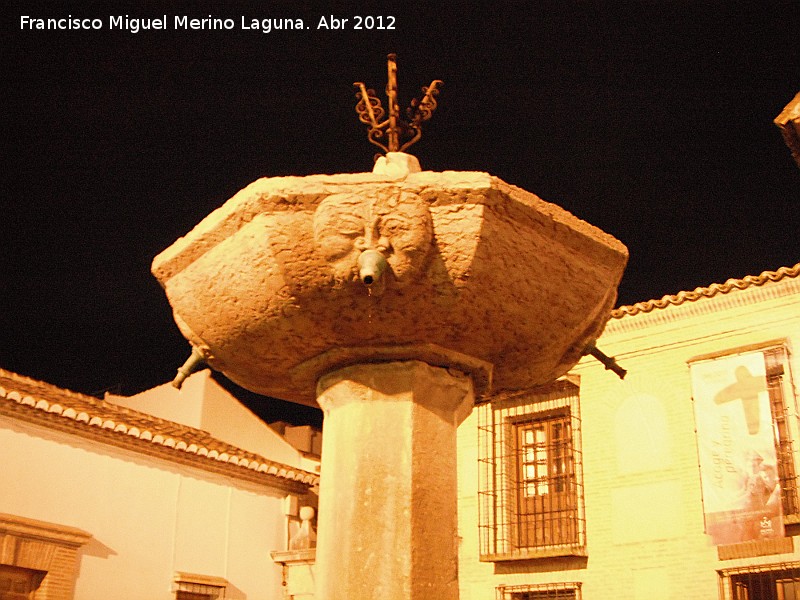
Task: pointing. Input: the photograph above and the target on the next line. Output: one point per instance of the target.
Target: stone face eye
(336, 235)
(335, 246)
(348, 227)
(394, 226)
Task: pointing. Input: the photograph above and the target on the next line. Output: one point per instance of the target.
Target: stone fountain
(393, 299)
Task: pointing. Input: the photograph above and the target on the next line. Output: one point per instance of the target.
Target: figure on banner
(761, 498)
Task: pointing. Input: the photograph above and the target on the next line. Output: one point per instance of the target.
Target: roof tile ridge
(25, 379)
(92, 400)
(707, 292)
(233, 454)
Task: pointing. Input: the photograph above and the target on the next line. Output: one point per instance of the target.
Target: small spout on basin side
(371, 265)
(609, 362)
(192, 364)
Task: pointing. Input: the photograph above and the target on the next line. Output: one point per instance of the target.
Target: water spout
(371, 265)
(609, 362)
(192, 364)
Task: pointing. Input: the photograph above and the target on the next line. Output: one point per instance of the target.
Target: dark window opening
(548, 591)
(777, 582)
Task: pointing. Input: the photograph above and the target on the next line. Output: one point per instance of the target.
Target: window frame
(507, 532)
(781, 392)
(733, 584)
(570, 590)
(49, 548)
(540, 516)
(193, 586)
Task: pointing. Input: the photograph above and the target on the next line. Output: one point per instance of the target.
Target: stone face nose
(268, 284)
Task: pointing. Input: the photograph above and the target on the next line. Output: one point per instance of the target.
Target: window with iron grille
(530, 475)
(778, 387)
(770, 582)
(548, 591)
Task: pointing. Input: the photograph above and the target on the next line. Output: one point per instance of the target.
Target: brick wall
(46, 547)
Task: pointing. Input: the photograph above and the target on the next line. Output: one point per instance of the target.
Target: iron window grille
(767, 582)
(547, 591)
(779, 387)
(530, 475)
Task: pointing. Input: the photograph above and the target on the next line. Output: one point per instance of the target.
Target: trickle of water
(369, 307)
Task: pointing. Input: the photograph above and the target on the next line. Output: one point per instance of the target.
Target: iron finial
(399, 133)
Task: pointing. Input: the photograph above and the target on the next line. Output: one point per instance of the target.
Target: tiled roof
(42, 403)
(707, 292)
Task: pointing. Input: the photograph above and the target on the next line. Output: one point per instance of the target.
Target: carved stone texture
(481, 276)
(789, 124)
(395, 223)
(388, 495)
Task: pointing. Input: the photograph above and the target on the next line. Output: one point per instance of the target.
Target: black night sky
(651, 120)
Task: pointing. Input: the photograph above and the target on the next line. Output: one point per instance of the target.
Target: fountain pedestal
(474, 285)
(387, 515)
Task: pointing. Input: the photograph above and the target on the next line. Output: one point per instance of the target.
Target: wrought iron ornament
(399, 133)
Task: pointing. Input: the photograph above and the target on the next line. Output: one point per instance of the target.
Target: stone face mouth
(296, 276)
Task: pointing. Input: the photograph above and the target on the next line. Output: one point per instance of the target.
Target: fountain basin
(481, 276)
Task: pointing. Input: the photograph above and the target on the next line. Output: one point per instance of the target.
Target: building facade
(679, 481)
(100, 500)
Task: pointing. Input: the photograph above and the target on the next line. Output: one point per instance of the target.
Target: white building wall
(227, 419)
(165, 402)
(149, 518)
(203, 404)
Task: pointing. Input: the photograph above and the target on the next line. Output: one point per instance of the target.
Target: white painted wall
(202, 403)
(149, 519)
(165, 402)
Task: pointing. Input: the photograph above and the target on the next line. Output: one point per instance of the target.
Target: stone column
(388, 500)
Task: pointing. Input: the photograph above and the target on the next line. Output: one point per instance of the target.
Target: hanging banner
(736, 441)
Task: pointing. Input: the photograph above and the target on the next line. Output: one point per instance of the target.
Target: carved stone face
(396, 224)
